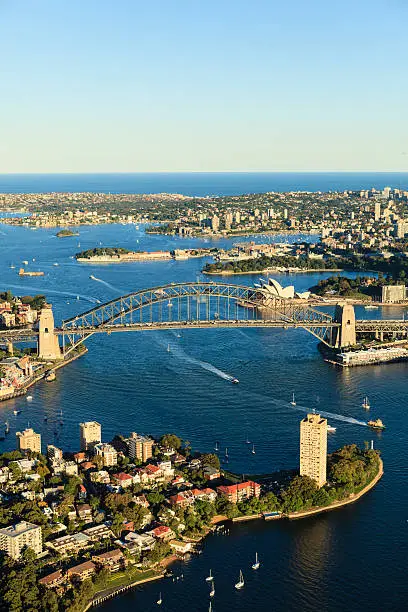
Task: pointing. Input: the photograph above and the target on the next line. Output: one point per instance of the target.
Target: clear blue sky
(209, 85)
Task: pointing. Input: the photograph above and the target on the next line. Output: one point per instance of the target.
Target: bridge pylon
(345, 335)
(48, 345)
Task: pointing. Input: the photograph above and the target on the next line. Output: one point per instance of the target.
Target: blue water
(201, 183)
(346, 560)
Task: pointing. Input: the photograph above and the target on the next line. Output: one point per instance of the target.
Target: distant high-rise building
(400, 229)
(313, 448)
(285, 213)
(90, 434)
(28, 440)
(237, 217)
(215, 223)
(387, 191)
(377, 211)
(107, 452)
(16, 537)
(228, 220)
(140, 447)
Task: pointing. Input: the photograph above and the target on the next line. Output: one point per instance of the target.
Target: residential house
(82, 571)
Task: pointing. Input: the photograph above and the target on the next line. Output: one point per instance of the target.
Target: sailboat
(253, 449)
(366, 403)
(293, 402)
(216, 447)
(212, 592)
(6, 427)
(256, 565)
(168, 348)
(240, 583)
(210, 577)
(159, 601)
(226, 453)
(247, 441)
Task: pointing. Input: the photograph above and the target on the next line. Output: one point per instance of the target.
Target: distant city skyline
(200, 87)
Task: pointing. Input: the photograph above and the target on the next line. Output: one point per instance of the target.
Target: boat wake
(87, 298)
(332, 416)
(305, 409)
(178, 352)
(99, 280)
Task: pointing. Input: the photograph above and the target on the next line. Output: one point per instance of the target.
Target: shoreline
(41, 375)
(353, 497)
(272, 270)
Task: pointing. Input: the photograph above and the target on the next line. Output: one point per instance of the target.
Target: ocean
(201, 183)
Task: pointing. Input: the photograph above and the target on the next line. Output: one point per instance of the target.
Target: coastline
(353, 497)
(272, 270)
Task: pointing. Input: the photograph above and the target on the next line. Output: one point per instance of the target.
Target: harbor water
(349, 559)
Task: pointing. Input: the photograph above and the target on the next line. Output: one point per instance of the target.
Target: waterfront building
(90, 434)
(107, 452)
(313, 448)
(240, 491)
(140, 447)
(28, 440)
(16, 537)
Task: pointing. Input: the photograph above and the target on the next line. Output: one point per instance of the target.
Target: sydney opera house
(271, 288)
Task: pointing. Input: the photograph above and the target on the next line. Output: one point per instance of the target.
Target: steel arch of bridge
(143, 310)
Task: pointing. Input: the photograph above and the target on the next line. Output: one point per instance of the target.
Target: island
(66, 233)
(116, 515)
(120, 255)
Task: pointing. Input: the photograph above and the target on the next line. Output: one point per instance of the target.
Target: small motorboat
(29, 398)
(16, 412)
(234, 381)
(210, 577)
(331, 429)
(159, 601)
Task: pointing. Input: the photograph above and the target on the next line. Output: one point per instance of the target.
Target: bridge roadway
(362, 326)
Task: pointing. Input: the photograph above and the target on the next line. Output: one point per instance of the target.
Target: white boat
(371, 307)
(210, 577)
(16, 412)
(29, 398)
(55, 264)
(168, 348)
(25, 262)
(293, 402)
(216, 447)
(159, 601)
(212, 592)
(240, 583)
(253, 449)
(331, 429)
(247, 441)
(256, 565)
(366, 403)
(12, 267)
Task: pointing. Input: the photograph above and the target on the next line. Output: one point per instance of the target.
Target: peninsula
(121, 255)
(114, 515)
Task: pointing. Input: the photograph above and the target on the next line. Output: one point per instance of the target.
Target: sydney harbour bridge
(199, 305)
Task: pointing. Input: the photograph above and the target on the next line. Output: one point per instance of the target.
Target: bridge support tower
(48, 345)
(345, 335)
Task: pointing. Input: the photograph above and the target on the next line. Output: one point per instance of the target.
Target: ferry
(377, 424)
(331, 429)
